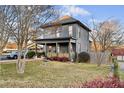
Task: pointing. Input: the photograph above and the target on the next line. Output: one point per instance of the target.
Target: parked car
(14, 55)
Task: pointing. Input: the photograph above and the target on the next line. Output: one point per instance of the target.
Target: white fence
(103, 58)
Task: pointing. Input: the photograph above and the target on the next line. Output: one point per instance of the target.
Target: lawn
(50, 74)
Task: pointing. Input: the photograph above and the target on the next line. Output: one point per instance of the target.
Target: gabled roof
(65, 20)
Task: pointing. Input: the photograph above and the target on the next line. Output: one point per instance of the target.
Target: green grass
(50, 74)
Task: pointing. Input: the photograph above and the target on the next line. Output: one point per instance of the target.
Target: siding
(74, 30)
(82, 43)
(81, 35)
(64, 32)
(49, 34)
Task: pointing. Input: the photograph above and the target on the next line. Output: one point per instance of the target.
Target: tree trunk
(36, 50)
(97, 53)
(24, 59)
(20, 64)
(98, 59)
(99, 56)
(0, 54)
(1, 63)
(26, 50)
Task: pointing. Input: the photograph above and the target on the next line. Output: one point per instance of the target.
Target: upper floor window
(79, 33)
(70, 30)
(79, 46)
(57, 33)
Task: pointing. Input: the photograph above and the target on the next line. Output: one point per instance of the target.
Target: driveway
(3, 57)
(15, 60)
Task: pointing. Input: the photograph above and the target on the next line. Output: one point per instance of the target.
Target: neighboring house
(66, 35)
(32, 46)
(10, 46)
(119, 53)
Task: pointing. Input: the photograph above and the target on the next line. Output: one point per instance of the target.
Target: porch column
(70, 51)
(57, 49)
(45, 49)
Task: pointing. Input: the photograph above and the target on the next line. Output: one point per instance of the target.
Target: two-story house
(66, 35)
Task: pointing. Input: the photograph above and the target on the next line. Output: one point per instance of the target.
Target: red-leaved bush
(110, 82)
(61, 59)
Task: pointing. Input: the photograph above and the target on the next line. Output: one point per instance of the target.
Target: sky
(85, 13)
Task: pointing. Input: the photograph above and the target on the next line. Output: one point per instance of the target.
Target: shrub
(30, 54)
(110, 82)
(83, 57)
(39, 54)
(115, 67)
(61, 59)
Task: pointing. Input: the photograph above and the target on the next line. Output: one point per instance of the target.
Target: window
(70, 30)
(64, 48)
(57, 33)
(79, 47)
(79, 33)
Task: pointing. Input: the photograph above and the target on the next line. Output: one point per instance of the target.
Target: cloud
(74, 11)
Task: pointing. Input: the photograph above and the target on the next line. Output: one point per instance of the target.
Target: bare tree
(5, 26)
(110, 33)
(105, 35)
(4, 35)
(26, 19)
(94, 37)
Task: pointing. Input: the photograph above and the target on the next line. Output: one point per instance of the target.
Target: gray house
(66, 35)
